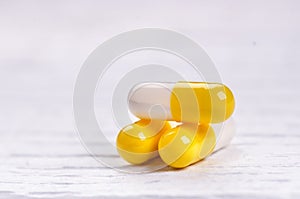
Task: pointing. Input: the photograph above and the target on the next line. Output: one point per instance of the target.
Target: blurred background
(254, 44)
(44, 43)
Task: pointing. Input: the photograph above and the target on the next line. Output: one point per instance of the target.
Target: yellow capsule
(186, 144)
(193, 102)
(138, 142)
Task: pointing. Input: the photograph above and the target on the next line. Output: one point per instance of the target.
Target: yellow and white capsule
(138, 142)
(194, 102)
(178, 147)
(189, 143)
(186, 144)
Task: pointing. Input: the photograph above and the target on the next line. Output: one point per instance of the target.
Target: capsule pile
(194, 105)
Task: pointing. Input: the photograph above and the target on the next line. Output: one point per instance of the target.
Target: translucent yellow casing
(201, 102)
(186, 144)
(138, 142)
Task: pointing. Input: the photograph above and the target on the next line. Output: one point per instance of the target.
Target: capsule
(138, 142)
(178, 147)
(194, 102)
(189, 143)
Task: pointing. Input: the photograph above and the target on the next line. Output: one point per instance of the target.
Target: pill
(186, 144)
(138, 142)
(195, 102)
(189, 143)
(178, 146)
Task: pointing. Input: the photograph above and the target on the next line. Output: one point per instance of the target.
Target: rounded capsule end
(151, 100)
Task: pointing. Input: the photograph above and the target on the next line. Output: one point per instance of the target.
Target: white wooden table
(262, 162)
(40, 152)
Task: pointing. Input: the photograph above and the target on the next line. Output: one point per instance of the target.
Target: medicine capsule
(194, 102)
(186, 144)
(138, 142)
